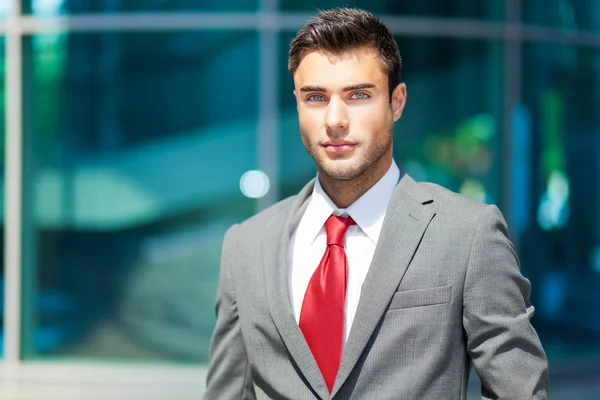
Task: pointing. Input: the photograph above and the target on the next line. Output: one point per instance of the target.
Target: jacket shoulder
(454, 205)
(277, 211)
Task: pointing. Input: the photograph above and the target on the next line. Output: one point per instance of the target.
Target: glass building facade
(126, 129)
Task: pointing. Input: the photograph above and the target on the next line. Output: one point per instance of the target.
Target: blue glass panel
(135, 145)
(476, 9)
(54, 7)
(2, 144)
(573, 15)
(560, 240)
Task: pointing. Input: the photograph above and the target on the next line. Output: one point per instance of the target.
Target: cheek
(309, 123)
(373, 122)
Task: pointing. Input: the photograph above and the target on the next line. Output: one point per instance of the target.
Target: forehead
(326, 69)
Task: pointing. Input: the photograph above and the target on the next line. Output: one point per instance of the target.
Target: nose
(336, 118)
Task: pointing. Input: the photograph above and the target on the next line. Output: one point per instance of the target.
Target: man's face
(346, 118)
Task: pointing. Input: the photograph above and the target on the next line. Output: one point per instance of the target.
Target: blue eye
(315, 97)
(360, 96)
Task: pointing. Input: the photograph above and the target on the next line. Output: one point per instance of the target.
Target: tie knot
(336, 228)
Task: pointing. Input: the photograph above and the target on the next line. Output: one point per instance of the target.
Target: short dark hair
(343, 29)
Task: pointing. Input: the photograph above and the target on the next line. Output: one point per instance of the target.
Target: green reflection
(457, 157)
(49, 58)
(552, 128)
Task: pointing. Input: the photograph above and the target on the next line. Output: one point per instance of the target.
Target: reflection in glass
(574, 15)
(53, 7)
(449, 132)
(136, 146)
(560, 239)
(5, 8)
(2, 151)
(477, 9)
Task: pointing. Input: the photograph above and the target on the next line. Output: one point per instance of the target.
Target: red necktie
(322, 314)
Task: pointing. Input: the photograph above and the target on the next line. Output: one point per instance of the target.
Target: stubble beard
(358, 170)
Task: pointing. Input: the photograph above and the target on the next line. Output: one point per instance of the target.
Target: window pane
(5, 8)
(559, 182)
(2, 143)
(50, 7)
(576, 15)
(136, 146)
(449, 131)
(437, 8)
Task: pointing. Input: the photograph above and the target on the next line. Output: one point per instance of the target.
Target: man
(368, 285)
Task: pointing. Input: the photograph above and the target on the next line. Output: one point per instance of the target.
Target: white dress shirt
(308, 240)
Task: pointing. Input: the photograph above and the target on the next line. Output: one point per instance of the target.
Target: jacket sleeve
(229, 375)
(505, 349)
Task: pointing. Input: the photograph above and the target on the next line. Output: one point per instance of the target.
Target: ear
(398, 101)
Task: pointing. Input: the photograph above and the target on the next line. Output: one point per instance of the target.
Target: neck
(345, 192)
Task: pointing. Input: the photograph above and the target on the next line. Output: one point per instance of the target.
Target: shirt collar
(368, 211)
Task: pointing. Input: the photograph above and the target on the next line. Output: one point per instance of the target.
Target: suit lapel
(275, 245)
(404, 225)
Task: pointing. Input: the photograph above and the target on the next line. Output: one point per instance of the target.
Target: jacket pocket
(421, 297)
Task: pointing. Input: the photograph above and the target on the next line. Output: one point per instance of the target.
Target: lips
(338, 146)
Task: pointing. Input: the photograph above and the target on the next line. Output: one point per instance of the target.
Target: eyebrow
(358, 87)
(346, 89)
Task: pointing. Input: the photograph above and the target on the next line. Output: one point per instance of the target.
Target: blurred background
(135, 132)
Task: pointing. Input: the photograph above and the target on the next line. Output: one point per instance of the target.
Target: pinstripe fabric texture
(443, 293)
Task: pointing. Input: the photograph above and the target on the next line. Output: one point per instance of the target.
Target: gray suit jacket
(444, 292)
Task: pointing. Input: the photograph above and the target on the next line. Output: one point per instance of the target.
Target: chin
(344, 171)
